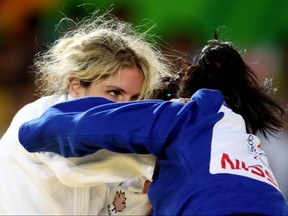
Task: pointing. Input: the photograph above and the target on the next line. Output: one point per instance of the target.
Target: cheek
(108, 97)
(93, 90)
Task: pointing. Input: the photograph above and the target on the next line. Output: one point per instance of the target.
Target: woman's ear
(75, 87)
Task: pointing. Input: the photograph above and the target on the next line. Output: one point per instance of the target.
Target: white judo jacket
(103, 183)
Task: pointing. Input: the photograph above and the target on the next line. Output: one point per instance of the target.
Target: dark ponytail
(219, 66)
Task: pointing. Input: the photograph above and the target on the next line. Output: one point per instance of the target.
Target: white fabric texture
(46, 183)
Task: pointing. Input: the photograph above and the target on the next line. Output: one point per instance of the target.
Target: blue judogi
(208, 164)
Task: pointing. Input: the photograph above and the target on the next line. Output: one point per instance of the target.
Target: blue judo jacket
(208, 164)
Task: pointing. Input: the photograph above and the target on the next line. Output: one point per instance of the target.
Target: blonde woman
(104, 57)
(210, 161)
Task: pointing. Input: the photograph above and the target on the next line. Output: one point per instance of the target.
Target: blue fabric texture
(179, 134)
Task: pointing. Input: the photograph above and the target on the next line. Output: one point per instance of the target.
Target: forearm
(121, 127)
(139, 127)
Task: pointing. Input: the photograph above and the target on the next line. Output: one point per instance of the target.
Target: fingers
(146, 186)
(184, 100)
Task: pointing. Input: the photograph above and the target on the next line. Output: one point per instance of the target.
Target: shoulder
(208, 101)
(29, 112)
(208, 98)
(36, 108)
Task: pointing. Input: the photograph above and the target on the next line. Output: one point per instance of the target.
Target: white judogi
(46, 183)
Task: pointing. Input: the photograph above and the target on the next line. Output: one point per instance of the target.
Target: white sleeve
(101, 167)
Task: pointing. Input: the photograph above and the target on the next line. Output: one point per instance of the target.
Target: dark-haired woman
(210, 161)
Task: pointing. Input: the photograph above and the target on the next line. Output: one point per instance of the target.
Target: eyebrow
(115, 87)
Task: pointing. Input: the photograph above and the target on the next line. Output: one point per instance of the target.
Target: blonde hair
(97, 48)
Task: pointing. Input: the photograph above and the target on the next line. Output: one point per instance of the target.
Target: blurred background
(260, 27)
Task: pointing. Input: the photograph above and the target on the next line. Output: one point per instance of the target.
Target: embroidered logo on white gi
(229, 155)
(255, 150)
(119, 202)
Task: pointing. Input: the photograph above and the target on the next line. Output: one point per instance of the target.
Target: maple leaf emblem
(119, 201)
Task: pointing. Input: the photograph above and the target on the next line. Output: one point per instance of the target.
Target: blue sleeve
(83, 126)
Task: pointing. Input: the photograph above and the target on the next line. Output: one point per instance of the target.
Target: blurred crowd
(26, 25)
